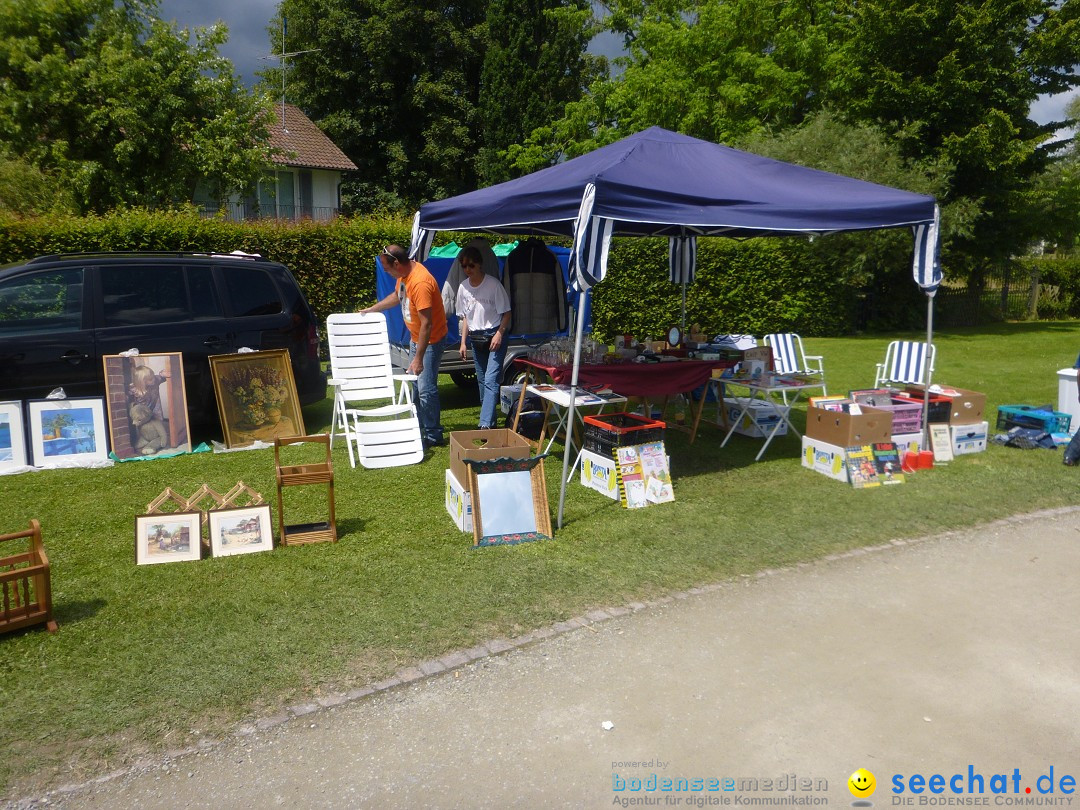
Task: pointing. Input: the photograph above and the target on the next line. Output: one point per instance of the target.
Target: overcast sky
(248, 40)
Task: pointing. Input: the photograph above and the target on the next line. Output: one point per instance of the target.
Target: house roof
(301, 143)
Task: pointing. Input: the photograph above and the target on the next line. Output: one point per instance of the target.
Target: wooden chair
(25, 584)
(361, 372)
(906, 361)
(295, 475)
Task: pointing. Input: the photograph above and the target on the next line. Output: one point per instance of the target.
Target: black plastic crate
(605, 432)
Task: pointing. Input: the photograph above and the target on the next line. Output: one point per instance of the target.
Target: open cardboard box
(842, 429)
(483, 445)
(967, 406)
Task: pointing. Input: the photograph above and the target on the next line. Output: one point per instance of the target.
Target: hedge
(755, 286)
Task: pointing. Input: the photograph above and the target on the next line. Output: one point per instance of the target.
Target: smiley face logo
(862, 783)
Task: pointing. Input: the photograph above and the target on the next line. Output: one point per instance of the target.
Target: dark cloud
(247, 21)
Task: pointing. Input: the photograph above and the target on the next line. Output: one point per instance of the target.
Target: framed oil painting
(240, 531)
(509, 501)
(67, 432)
(256, 397)
(12, 437)
(164, 538)
(147, 405)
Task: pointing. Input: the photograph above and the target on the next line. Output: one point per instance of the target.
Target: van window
(134, 295)
(204, 300)
(49, 301)
(252, 292)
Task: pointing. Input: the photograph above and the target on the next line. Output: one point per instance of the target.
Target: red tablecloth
(635, 379)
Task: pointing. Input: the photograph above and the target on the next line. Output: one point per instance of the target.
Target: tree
(535, 62)
(117, 103)
(715, 69)
(424, 96)
(956, 80)
(394, 84)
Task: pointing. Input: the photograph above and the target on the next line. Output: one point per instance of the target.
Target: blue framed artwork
(12, 437)
(67, 432)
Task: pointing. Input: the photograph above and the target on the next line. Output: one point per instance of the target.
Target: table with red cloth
(647, 380)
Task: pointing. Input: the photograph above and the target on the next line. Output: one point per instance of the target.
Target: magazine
(862, 471)
(887, 463)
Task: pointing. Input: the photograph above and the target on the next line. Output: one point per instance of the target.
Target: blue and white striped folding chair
(906, 361)
(790, 358)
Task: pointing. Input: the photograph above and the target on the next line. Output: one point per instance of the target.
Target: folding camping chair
(906, 361)
(360, 371)
(789, 357)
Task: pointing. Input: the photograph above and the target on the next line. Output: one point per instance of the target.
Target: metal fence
(239, 212)
(1001, 297)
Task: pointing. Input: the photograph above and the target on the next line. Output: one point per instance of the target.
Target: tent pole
(582, 302)
(684, 305)
(929, 369)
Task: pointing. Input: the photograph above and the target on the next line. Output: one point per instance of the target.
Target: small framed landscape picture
(166, 538)
(240, 531)
(67, 432)
(12, 438)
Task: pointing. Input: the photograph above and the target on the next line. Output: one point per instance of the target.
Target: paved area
(958, 654)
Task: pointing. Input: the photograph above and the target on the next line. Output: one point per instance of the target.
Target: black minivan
(59, 315)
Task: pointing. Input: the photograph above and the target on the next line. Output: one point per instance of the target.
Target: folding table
(762, 390)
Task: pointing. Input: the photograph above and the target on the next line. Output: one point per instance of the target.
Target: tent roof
(661, 183)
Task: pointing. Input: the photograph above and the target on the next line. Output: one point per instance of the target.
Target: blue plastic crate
(1028, 416)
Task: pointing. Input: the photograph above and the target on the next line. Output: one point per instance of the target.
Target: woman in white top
(484, 308)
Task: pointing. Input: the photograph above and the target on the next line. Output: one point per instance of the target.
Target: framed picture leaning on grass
(240, 531)
(147, 405)
(12, 437)
(256, 397)
(163, 538)
(67, 432)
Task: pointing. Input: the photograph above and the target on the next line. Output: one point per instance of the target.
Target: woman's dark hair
(471, 254)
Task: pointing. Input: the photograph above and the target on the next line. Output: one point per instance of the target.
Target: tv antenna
(282, 57)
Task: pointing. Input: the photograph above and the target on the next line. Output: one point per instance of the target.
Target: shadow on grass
(70, 612)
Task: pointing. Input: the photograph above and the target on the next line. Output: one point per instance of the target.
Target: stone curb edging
(457, 659)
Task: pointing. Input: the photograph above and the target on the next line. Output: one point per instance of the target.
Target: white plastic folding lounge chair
(789, 357)
(386, 435)
(906, 361)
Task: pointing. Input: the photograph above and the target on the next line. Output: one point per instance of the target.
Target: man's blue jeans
(488, 375)
(426, 392)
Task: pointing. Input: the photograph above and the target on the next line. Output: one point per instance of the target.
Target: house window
(277, 198)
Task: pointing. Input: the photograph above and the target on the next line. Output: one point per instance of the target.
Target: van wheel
(511, 376)
(464, 379)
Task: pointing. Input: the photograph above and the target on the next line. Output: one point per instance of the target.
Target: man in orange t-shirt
(421, 304)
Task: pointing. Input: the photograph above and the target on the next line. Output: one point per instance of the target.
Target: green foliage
(955, 81)
(27, 190)
(753, 287)
(333, 261)
(121, 107)
(1060, 275)
(716, 70)
(534, 62)
(395, 85)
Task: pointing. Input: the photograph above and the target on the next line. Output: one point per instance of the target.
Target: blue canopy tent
(661, 183)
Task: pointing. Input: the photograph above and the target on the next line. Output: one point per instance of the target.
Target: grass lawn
(156, 657)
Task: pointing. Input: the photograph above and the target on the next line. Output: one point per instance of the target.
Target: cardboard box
(508, 395)
(907, 442)
(847, 430)
(967, 406)
(458, 503)
(483, 445)
(969, 438)
(827, 459)
(758, 421)
(598, 472)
